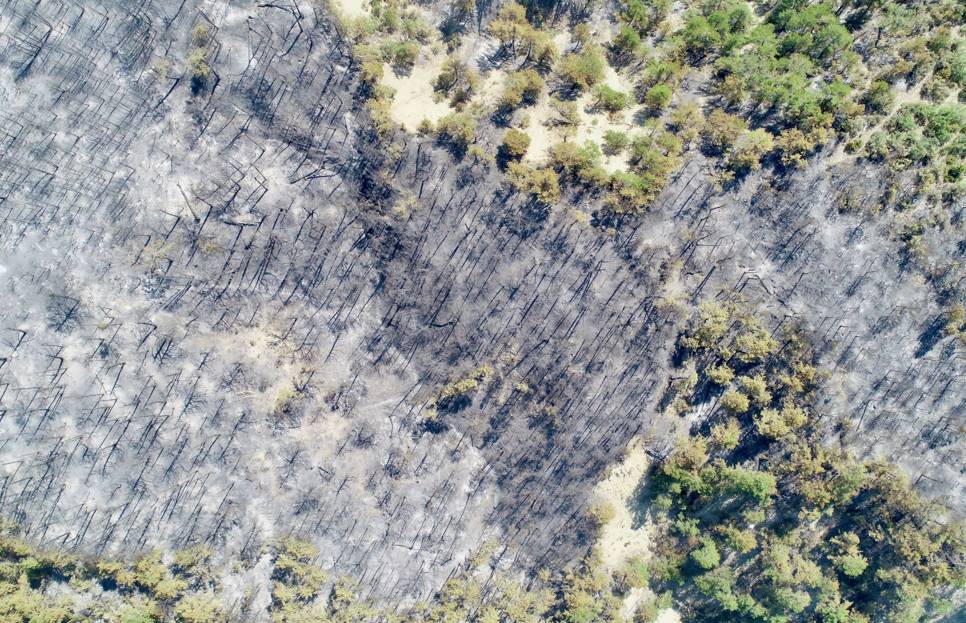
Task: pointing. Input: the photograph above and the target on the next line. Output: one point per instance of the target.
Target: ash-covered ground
(215, 327)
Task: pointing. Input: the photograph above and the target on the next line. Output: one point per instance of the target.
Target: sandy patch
(902, 97)
(352, 9)
(542, 135)
(636, 597)
(593, 126)
(563, 41)
(675, 19)
(491, 88)
(632, 601)
(620, 538)
(668, 615)
(596, 124)
(414, 98)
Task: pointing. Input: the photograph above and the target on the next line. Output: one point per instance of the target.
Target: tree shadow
(930, 336)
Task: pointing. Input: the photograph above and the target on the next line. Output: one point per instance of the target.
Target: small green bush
(610, 99)
(583, 69)
(657, 98)
(515, 144)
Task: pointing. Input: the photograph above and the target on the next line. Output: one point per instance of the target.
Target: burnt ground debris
(216, 330)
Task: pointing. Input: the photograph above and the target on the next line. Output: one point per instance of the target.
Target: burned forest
(411, 310)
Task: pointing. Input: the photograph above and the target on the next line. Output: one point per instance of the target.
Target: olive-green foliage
(775, 63)
(879, 97)
(652, 158)
(583, 69)
(458, 129)
(380, 113)
(615, 142)
(710, 326)
(625, 44)
(706, 556)
(543, 183)
(726, 434)
(756, 388)
(136, 592)
(721, 374)
(400, 53)
(748, 150)
(924, 134)
(581, 163)
(515, 143)
(296, 578)
(955, 322)
(657, 98)
(510, 25)
(198, 608)
(521, 87)
(794, 145)
(457, 81)
(687, 120)
(722, 130)
(611, 100)
(772, 525)
(735, 401)
(754, 343)
(199, 68)
(643, 16)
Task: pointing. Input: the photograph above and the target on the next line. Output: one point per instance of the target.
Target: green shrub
(510, 26)
(879, 98)
(794, 146)
(458, 129)
(610, 99)
(748, 150)
(721, 374)
(521, 87)
(400, 53)
(581, 162)
(657, 98)
(199, 68)
(625, 43)
(756, 388)
(515, 143)
(583, 69)
(727, 435)
(198, 609)
(706, 556)
(722, 131)
(754, 343)
(542, 183)
(735, 401)
(615, 142)
(456, 80)
(756, 484)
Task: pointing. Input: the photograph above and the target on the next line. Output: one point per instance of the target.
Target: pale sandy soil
(621, 539)
(491, 88)
(668, 615)
(542, 136)
(563, 41)
(675, 19)
(593, 126)
(353, 8)
(415, 99)
(414, 96)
